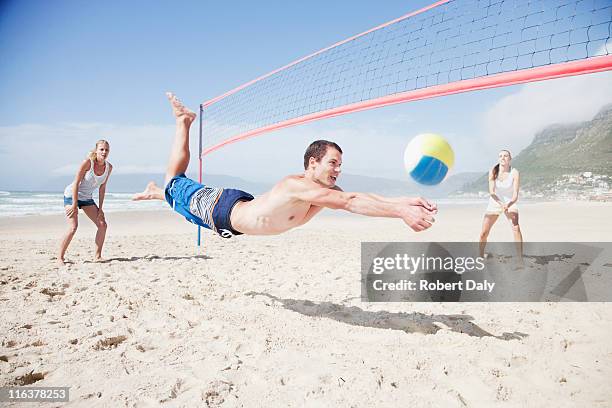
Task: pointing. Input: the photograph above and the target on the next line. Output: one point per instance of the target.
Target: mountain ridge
(561, 150)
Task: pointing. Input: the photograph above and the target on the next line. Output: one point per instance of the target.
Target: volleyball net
(448, 47)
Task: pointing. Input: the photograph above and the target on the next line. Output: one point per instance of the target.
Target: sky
(72, 72)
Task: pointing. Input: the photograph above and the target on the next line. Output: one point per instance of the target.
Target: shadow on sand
(407, 322)
(150, 257)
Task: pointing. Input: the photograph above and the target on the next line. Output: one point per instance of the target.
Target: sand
(278, 321)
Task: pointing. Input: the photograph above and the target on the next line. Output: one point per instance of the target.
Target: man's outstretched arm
(401, 200)
(406, 201)
(416, 217)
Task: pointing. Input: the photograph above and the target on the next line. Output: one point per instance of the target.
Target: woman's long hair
(496, 167)
(92, 154)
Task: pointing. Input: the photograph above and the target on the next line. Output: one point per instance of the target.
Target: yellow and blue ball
(428, 158)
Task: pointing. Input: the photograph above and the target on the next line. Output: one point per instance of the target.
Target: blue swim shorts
(208, 207)
(80, 203)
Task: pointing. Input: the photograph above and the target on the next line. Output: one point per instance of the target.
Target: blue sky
(109, 61)
(73, 72)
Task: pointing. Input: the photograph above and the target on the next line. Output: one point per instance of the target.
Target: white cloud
(131, 169)
(70, 169)
(514, 120)
(65, 170)
(32, 152)
(372, 142)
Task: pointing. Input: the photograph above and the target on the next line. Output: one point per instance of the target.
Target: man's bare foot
(151, 192)
(180, 111)
(99, 259)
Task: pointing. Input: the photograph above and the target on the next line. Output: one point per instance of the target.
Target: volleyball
(428, 158)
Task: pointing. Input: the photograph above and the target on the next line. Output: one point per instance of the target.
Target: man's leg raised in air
(179, 155)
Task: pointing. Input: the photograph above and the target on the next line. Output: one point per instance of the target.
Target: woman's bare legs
(487, 223)
(92, 212)
(179, 154)
(73, 223)
(518, 236)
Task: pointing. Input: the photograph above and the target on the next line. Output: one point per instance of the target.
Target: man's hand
(72, 210)
(417, 217)
(420, 201)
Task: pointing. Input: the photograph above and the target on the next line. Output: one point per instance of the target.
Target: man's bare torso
(276, 211)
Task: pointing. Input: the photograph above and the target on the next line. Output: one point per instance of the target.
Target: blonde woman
(93, 174)
(504, 184)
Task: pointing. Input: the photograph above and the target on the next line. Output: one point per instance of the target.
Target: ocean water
(23, 203)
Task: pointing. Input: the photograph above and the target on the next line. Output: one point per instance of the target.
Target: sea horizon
(28, 203)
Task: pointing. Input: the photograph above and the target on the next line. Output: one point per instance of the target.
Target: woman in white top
(93, 174)
(504, 191)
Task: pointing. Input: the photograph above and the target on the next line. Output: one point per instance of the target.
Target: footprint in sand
(174, 391)
(29, 378)
(217, 392)
(109, 343)
(9, 343)
(52, 293)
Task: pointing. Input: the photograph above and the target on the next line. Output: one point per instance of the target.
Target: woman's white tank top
(89, 184)
(504, 189)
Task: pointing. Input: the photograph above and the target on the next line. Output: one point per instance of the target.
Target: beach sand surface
(277, 321)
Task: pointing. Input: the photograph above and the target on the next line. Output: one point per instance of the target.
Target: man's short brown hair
(317, 149)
